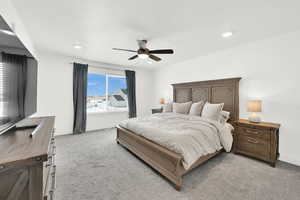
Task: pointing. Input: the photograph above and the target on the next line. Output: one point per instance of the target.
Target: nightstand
(257, 140)
(156, 110)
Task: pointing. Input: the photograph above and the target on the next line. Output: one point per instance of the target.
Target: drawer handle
(49, 163)
(252, 140)
(53, 174)
(54, 150)
(252, 132)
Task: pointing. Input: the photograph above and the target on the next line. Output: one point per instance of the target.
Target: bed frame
(165, 161)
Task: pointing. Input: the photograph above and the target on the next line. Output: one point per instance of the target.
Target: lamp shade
(162, 101)
(254, 106)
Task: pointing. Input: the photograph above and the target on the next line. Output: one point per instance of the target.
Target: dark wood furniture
(156, 110)
(165, 161)
(27, 164)
(258, 140)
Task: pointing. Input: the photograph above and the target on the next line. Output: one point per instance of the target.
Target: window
(106, 93)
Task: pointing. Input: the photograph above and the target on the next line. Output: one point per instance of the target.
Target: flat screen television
(18, 79)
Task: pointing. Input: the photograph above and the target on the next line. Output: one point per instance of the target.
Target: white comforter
(190, 136)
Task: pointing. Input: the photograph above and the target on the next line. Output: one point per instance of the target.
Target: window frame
(106, 110)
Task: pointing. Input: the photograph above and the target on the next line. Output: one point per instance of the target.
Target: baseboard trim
(60, 134)
(289, 159)
(101, 129)
(88, 131)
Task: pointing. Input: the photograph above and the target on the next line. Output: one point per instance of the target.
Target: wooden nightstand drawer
(254, 147)
(254, 133)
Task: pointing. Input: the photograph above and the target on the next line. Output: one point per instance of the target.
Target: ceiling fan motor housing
(143, 51)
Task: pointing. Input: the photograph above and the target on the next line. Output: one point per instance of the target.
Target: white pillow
(182, 108)
(224, 116)
(196, 108)
(168, 107)
(212, 111)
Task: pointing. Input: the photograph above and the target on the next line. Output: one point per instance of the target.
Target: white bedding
(190, 136)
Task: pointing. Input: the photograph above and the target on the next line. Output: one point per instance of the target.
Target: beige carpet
(93, 166)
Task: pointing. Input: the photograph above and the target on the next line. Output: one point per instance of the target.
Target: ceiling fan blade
(162, 51)
(133, 57)
(124, 50)
(154, 57)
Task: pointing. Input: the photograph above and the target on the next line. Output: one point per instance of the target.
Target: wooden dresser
(258, 140)
(27, 164)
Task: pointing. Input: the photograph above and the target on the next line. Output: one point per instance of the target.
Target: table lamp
(254, 106)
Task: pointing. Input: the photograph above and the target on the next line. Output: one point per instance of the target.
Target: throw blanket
(190, 136)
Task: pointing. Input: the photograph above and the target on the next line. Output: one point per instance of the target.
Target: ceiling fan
(144, 53)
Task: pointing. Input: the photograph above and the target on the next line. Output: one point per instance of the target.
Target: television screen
(18, 79)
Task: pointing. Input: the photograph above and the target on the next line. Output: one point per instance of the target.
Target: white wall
(9, 13)
(270, 71)
(55, 96)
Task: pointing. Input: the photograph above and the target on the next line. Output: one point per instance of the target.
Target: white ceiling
(192, 28)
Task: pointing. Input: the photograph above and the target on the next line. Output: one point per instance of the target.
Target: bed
(170, 163)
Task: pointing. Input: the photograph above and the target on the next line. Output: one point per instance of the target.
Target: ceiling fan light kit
(143, 52)
(143, 56)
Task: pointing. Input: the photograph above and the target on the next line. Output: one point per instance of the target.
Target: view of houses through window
(106, 93)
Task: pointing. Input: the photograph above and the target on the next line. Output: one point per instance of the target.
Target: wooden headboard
(214, 91)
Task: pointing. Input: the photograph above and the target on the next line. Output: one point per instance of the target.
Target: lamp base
(254, 118)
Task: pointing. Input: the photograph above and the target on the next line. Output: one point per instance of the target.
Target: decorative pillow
(196, 108)
(224, 116)
(182, 108)
(212, 111)
(168, 107)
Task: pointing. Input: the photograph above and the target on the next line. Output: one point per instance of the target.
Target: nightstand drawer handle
(252, 132)
(252, 140)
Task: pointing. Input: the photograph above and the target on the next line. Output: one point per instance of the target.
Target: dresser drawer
(51, 184)
(253, 146)
(49, 171)
(254, 133)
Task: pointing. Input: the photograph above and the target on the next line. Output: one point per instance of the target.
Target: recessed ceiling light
(227, 34)
(143, 56)
(7, 32)
(77, 46)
